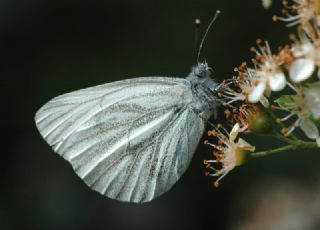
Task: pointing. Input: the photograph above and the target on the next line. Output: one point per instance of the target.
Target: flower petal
(278, 81)
(301, 69)
(264, 101)
(266, 4)
(245, 145)
(257, 93)
(303, 49)
(318, 141)
(312, 94)
(234, 132)
(267, 92)
(310, 129)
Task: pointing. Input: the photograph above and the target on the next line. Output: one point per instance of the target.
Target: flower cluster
(285, 84)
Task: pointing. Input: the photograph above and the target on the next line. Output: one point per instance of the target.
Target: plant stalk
(294, 146)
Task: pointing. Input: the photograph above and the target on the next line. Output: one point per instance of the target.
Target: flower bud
(260, 121)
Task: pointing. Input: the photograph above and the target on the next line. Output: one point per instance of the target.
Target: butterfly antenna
(196, 34)
(205, 34)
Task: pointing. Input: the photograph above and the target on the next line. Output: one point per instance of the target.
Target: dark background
(51, 47)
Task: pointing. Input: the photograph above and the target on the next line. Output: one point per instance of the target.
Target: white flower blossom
(229, 152)
(265, 81)
(306, 106)
(305, 10)
(267, 75)
(245, 86)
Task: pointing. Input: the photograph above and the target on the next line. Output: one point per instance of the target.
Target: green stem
(278, 136)
(293, 146)
(283, 138)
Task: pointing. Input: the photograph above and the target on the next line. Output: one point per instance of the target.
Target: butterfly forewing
(130, 140)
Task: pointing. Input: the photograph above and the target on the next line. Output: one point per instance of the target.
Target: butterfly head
(202, 74)
(202, 70)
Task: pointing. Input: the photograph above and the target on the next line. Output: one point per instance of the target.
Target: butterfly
(132, 140)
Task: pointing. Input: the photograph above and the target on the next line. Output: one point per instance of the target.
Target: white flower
(229, 152)
(306, 106)
(240, 89)
(305, 10)
(256, 84)
(267, 76)
(245, 86)
(274, 80)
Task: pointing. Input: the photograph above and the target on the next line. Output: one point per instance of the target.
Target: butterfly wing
(130, 140)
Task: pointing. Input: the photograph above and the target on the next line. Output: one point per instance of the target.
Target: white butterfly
(131, 140)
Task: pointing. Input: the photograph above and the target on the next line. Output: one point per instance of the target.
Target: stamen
(288, 116)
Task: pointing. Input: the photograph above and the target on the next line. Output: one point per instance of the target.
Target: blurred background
(52, 47)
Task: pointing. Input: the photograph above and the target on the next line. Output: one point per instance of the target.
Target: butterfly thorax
(204, 90)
